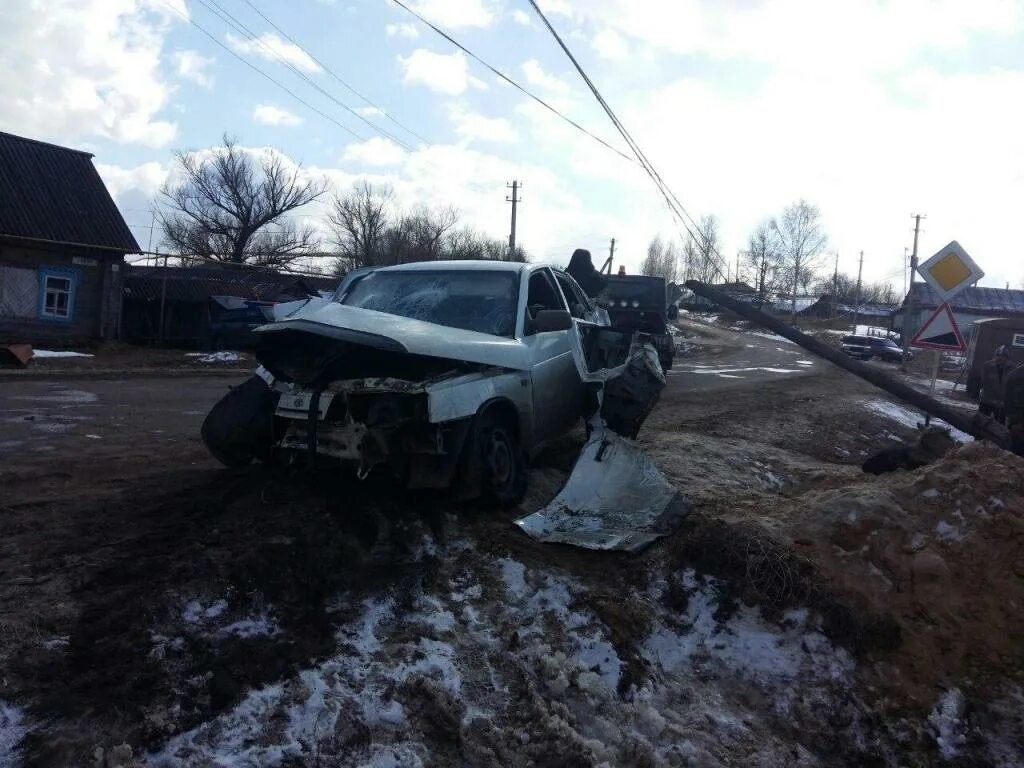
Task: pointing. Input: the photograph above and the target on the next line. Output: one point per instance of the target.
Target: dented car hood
(402, 334)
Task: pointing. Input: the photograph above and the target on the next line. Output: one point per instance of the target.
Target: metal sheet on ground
(615, 499)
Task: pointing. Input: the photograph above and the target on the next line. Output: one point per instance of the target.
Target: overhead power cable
(675, 206)
(214, 7)
(263, 74)
(334, 74)
(512, 82)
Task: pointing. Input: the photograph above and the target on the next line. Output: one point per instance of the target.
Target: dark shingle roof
(978, 300)
(49, 192)
(198, 284)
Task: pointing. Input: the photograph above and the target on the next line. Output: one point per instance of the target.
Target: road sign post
(940, 334)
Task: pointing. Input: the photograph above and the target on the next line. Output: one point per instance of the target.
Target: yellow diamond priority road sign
(950, 271)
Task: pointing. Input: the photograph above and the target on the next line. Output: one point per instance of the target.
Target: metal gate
(19, 293)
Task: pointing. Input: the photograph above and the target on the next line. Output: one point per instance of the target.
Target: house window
(57, 294)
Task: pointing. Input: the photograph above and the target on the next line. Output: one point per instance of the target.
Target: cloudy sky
(870, 110)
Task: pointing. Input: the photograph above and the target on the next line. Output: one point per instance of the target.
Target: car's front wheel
(502, 468)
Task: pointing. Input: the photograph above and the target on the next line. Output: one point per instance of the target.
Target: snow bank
(12, 731)
(43, 353)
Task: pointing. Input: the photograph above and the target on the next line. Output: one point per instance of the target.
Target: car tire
(502, 467)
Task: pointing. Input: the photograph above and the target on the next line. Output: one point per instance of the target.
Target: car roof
(461, 266)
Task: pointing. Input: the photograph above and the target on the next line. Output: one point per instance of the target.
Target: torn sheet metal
(615, 499)
(626, 364)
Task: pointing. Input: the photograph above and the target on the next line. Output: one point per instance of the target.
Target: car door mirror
(551, 320)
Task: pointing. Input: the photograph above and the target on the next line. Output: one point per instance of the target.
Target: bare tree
(359, 221)
(764, 257)
(701, 251)
(661, 260)
(369, 231)
(803, 241)
(226, 201)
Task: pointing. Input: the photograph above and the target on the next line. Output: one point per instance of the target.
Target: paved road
(80, 416)
(100, 418)
(739, 359)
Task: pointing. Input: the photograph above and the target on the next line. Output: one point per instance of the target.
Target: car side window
(541, 294)
(578, 303)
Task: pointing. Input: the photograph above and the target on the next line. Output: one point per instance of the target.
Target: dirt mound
(941, 552)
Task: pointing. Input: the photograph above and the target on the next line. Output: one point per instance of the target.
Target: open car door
(615, 497)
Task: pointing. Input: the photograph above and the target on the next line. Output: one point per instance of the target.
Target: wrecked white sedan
(442, 373)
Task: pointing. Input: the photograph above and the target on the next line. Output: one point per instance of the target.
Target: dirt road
(207, 617)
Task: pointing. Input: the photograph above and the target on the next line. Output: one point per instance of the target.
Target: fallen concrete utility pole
(979, 425)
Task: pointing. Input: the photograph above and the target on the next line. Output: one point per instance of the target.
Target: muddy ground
(804, 614)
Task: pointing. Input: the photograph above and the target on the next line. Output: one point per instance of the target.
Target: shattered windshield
(473, 300)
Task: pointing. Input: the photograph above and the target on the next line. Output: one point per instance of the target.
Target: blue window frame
(57, 293)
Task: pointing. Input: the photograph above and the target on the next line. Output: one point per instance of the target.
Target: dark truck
(640, 303)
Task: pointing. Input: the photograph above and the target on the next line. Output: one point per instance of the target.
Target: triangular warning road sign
(940, 332)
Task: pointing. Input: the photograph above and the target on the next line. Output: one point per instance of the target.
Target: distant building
(833, 307)
(969, 305)
(208, 307)
(62, 246)
(783, 304)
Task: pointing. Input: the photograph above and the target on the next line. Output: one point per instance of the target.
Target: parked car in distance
(867, 347)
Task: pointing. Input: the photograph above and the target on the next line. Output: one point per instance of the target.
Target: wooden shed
(62, 246)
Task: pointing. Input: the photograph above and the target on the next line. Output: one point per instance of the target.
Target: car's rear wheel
(502, 468)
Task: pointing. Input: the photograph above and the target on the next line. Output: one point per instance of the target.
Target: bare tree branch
(225, 202)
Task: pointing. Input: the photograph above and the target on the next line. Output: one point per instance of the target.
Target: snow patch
(43, 353)
(745, 645)
(513, 573)
(12, 731)
(772, 336)
(909, 418)
(947, 723)
(216, 357)
(62, 396)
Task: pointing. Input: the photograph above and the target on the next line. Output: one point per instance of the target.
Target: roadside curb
(10, 377)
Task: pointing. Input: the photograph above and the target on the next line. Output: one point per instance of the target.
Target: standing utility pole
(856, 304)
(514, 199)
(611, 257)
(835, 287)
(908, 303)
(906, 257)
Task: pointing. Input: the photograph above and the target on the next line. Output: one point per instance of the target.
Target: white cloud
(268, 114)
(192, 66)
(520, 16)
(406, 31)
(609, 44)
(535, 75)
(444, 73)
(85, 68)
(145, 179)
(377, 151)
(272, 48)
(476, 127)
(371, 111)
(456, 14)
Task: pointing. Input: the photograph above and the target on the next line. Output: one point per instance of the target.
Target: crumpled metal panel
(615, 499)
